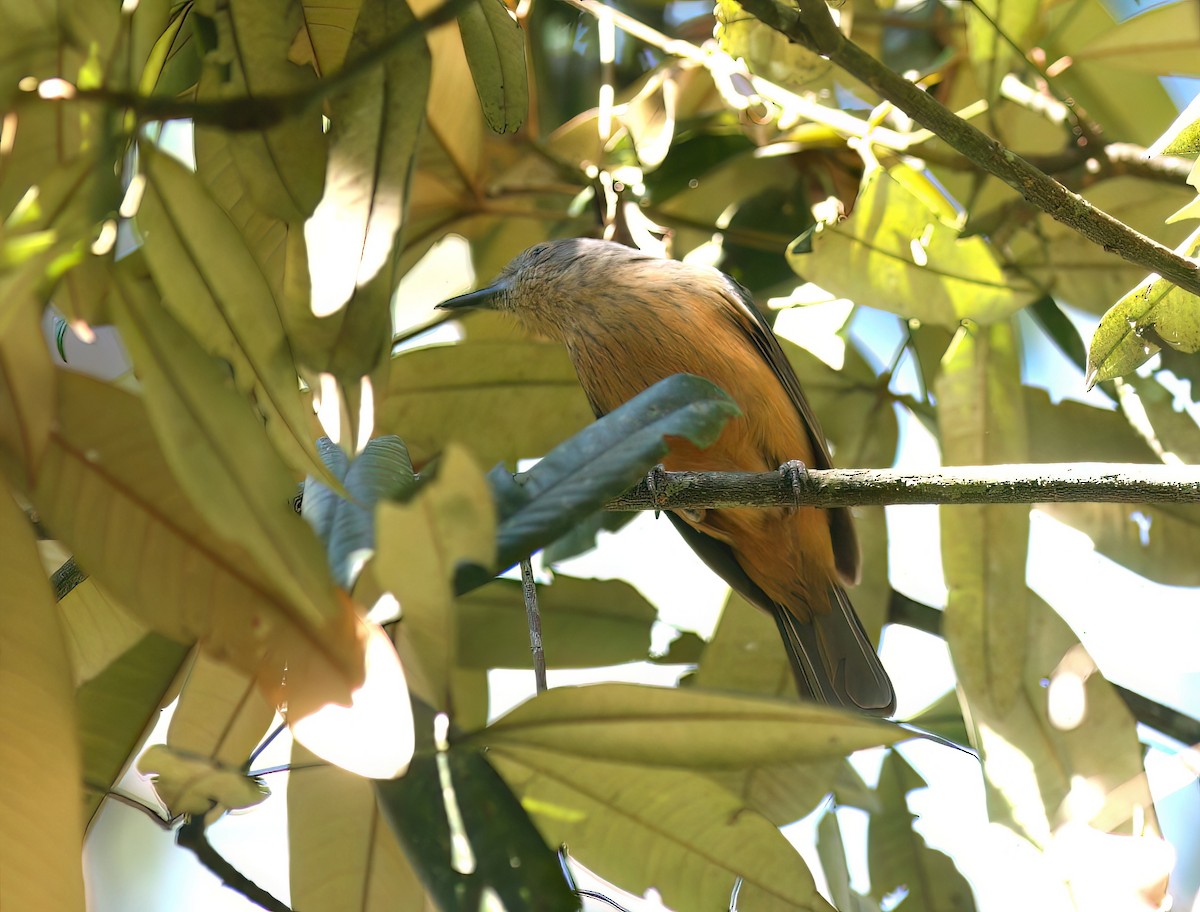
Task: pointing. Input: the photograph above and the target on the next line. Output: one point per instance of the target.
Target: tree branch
(1183, 728)
(1043, 483)
(811, 25)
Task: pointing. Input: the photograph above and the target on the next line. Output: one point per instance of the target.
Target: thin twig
(810, 25)
(1043, 483)
(192, 836)
(534, 617)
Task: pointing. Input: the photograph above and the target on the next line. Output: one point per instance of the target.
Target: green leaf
(382, 471)
(899, 857)
(352, 237)
(585, 623)
(218, 450)
(41, 831)
(141, 537)
(329, 29)
(902, 250)
(119, 707)
(674, 830)
(495, 47)
(341, 853)
(504, 401)
(601, 461)
(283, 166)
(27, 385)
(465, 832)
(220, 715)
(685, 729)
(982, 422)
(218, 292)
(421, 546)
(98, 629)
(832, 852)
(1153, 315)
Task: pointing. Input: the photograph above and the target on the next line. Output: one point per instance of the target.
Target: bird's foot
(795, 473)
(656, 484)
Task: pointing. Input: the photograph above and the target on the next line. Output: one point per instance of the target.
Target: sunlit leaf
(96, 628)
(145, 542)
(901, 250)
(41, 830)
(282, 166)
(375, 125)
(1151, 316)
(119, 707)
(220, 715)
(683, 728)
(218, 450)
(422, 544)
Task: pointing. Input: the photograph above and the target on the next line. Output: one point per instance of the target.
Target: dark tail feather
(833, 660)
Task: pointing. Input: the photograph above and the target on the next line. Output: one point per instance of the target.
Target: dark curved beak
(483, 299)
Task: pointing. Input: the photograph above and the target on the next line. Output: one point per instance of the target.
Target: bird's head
(555, 288)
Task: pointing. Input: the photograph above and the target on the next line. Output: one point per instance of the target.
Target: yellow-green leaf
(218, 450)
(216, 288)
(982, 422)
(690, 729)
(220, 715)
(41, 831)
(897, 252)
(1155, 313)
(673, 830)
(419, 547)
(342, 853)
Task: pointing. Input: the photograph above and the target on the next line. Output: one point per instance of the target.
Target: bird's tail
(833, 660)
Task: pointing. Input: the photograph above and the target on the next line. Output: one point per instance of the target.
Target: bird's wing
(754, 324)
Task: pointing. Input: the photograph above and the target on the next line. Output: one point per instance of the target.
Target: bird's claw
(656, 484)
(795, 473)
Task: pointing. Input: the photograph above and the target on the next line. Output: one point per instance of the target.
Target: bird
(629, 319)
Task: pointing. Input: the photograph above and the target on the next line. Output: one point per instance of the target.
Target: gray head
(556, 286)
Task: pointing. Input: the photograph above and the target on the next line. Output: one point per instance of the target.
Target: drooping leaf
(601, 461)
(217, 290)
(218, 450)
(674, 830)
(344, 327)
(142, 539)
(899, 857)
(421, 546)
(341, 852)
(585, 623)
(220, 715)
(465, 833)
(495, 49)
(41, 830)
(193, 785)
(832, 851)
(119, 707)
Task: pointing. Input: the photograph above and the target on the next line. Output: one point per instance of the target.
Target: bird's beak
(483, 299)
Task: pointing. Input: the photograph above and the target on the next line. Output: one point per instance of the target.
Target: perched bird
(628, 320)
